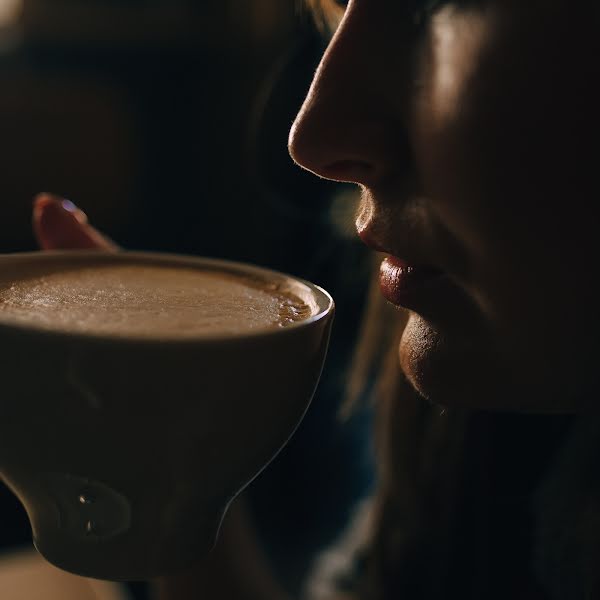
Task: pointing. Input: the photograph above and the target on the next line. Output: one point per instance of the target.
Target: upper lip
(403, 240)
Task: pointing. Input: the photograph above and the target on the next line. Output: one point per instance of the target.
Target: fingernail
(45, 200)
(76, 212)
(68, 205)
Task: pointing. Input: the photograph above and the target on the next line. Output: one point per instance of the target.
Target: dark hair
(326, 13)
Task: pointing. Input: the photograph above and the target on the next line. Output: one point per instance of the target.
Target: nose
(351, 126)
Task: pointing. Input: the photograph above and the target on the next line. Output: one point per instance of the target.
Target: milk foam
(143, 300)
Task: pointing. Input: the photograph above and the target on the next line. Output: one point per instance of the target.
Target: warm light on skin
(9, 11)
(456, 41)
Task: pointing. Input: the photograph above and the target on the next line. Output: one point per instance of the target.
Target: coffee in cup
(141, 393)
(148, 301)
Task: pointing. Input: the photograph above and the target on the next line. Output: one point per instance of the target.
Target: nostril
(351, 171)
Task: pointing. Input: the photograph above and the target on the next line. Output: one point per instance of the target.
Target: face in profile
(471, 131)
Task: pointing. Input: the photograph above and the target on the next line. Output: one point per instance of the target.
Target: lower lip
(408, 286)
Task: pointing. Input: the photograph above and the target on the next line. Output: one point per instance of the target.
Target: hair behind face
(326, 13)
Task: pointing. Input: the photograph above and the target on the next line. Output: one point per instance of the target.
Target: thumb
(59, 225)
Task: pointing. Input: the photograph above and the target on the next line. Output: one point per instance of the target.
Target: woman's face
(472, 131)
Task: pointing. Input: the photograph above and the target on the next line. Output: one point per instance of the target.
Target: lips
(410, 286)
(412, 282)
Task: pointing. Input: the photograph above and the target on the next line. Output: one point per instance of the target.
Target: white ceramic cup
(127, 452)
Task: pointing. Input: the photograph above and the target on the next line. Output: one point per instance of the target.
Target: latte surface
(153, 301)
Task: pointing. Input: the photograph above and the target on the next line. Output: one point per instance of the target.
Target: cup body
(126, 452)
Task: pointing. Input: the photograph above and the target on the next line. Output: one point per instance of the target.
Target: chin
(454, 367)
(459, 368)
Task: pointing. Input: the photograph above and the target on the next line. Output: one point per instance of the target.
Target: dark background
(166, 121)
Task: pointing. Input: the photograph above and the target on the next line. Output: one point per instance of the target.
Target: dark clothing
(526, 522)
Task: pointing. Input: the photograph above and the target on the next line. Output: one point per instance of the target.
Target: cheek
(505, 138)
(501, 146)
(450, 126)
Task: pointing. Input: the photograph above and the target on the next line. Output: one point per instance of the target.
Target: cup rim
(325, 302)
